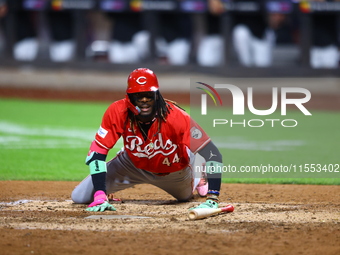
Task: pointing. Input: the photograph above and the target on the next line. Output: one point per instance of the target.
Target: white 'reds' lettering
(134, 143)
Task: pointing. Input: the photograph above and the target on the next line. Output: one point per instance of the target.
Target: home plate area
(40, 218)
(65, 215)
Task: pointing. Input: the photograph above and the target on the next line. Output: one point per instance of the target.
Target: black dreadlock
(162, 110)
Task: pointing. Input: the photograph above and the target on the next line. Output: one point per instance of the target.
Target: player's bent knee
(80, 197)
(184, 199)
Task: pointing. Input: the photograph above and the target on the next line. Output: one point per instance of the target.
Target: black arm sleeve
(211, 153)
(99, 182)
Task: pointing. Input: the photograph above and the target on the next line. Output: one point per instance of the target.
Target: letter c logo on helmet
(142, 80)
(139, 80)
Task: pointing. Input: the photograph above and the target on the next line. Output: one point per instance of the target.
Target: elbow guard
(97, 167)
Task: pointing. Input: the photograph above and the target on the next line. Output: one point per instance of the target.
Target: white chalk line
(240, 143)
(16, 136)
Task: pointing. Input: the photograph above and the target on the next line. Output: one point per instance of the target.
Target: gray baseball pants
(122, 174)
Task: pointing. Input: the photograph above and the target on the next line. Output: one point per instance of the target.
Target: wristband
(213, 194)
(213, 197)
(97, 166)
(213, 167)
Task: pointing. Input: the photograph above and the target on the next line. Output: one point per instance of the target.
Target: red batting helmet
(142, 80)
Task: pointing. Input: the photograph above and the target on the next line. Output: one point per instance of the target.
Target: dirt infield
(39, 218)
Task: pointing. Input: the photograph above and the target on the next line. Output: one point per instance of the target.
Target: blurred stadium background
(89, 67)
(32, 66)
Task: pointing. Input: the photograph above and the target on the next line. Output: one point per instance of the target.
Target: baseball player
(161, 143)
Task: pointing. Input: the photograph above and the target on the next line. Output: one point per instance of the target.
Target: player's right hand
(101, 207)
(100, 203)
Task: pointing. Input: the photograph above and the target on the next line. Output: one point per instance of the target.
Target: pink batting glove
(99, 198)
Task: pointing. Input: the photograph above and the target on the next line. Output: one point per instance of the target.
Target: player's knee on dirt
(83, 193)
(184, 198)
(81, 197)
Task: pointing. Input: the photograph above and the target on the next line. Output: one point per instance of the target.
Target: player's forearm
(99, 181)
(96, 162)
(211, 153)
(214, 181)
(213, 160)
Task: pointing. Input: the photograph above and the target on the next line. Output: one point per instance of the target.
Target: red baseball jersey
(166, 149)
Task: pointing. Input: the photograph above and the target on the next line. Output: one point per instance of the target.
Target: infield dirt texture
(39, 217)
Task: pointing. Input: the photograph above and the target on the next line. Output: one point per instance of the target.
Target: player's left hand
(209, 203)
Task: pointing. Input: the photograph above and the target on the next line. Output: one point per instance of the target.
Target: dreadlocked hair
(162, 106)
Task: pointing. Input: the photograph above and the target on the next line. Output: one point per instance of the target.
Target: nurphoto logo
(238, 106)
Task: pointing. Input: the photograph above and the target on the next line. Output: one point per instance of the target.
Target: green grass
(41, 140)
(46, 140)
(310, 181)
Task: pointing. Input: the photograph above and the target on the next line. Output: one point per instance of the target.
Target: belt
(161, 174)
(157, 174)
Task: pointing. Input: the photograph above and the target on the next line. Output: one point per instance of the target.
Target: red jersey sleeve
(195, 138)
(198, 137)
(112, 125)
